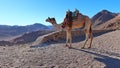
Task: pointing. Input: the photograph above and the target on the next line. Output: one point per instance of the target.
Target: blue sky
(26, 12)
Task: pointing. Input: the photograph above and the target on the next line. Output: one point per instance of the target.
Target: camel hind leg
(88, 35)
(91, 38)
(86, 39)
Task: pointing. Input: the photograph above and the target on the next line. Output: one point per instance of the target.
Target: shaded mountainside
(25, 38)
(6, 31)
(102, 17)
(30, 37)
(111, 24)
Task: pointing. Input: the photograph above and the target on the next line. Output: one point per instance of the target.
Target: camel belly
(77, 25)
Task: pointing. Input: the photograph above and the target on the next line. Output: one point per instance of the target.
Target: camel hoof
(89, 47)
(69, 47)
(82, 47)
(66, 45)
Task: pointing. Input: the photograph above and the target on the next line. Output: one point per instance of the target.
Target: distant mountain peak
(105, 11)
(102, 17)
(6, 30)
(37, 24)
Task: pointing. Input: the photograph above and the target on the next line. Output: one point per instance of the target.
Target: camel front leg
(68, 38)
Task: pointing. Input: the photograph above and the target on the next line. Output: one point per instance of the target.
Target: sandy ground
(105, 53)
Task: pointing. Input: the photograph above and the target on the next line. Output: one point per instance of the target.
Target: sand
(105, 53)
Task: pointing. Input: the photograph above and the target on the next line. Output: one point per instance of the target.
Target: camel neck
(58, 27)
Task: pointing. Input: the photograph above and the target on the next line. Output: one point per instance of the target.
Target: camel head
(51, 20)
(54, 23)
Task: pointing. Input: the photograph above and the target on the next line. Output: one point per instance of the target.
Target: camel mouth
(46, 20)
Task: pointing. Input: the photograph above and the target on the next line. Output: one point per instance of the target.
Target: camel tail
(91, 37)
(90, 29)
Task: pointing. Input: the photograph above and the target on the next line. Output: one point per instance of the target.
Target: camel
(82, 21)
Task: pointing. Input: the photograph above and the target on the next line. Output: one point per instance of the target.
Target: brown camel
(81, 21)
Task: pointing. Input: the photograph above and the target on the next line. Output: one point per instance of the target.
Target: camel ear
(54, 19)
(48, 17)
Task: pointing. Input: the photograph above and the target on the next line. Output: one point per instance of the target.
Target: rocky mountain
(6, 31)
(102, 17)
(111, 24)
(28, 37)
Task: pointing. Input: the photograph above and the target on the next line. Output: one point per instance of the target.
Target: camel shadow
(109, 62)
(81, 37)
(96, 33)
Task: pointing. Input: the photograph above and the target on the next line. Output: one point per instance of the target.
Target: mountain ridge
(7, 30)
(102, 17)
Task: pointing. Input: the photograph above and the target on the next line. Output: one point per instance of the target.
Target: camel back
(72, 17)
(79, 18)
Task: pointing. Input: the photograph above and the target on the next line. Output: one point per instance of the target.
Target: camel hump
(70, 17)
